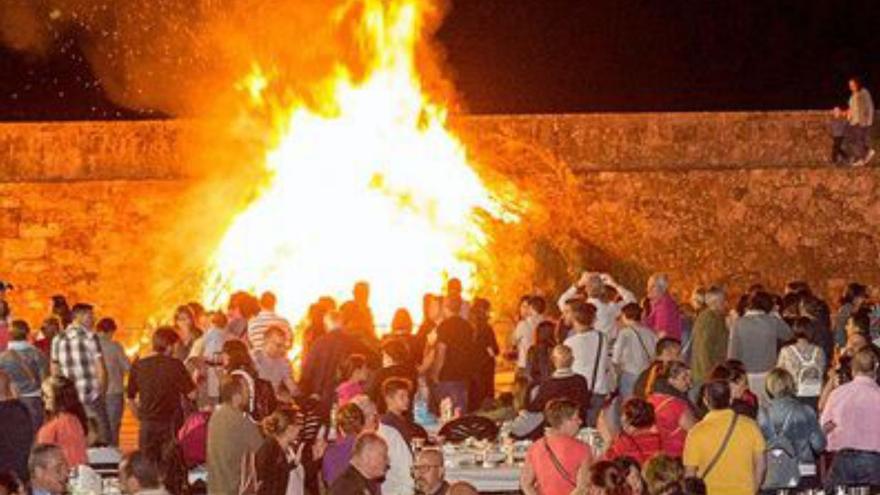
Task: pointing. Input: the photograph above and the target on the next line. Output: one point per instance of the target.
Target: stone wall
(88, 209)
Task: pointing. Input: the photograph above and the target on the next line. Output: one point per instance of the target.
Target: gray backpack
(781, 457)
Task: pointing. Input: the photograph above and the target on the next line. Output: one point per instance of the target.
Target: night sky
(553, 56)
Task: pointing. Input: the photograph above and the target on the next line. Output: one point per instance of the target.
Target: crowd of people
(770, 394)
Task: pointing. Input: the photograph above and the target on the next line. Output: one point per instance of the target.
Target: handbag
(783, 466)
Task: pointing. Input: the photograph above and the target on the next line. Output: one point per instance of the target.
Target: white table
(502, 478)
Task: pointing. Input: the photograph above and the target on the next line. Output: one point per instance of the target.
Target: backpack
(809, 376)
(783, 469)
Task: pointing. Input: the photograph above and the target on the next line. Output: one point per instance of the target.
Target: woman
(804, 361)
(539, 366)
(786, 416)
(485, 349)
(67, 423)
(639, 437)
(353, 374)
(851, 300)
(59, 308)
(633, 472)
(673, 411)
(664, 475)
(602, 478)
(261, 395)
(187, 329)
(401, 331)
(276, 462)
(349, 424)
(431, 305)
(742, 400)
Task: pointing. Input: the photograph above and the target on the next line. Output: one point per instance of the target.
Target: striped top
(258, 325)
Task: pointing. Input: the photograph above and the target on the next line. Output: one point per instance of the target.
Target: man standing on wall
(861, 118)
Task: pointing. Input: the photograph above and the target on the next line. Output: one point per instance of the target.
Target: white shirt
(631, 354)
(212, 346)
(398, 479)
(524, 338)
(606, 312)
(258, 325)
(584, 348)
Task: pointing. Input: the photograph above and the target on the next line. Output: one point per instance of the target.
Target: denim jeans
(596, 403)
(457, 391)
(854, 468)
(34, 406)
(627, 384)
(97, 411)
(115, 409)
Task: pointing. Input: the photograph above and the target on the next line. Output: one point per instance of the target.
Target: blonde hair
(279, 421)
(780, 383)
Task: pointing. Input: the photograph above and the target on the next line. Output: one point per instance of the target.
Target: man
(361, 296)
(265, 319)
(49, 472)
(398, 479)
(710, 336)
(852, 432)
(27, 367)
(231, 436)
(633, 351)
(50, 328)
(666, 350)
(429, 473)
(861, 118)
(594, 285)
(139, 475)
(563, 384)
(369, 462)
(664, 316)
(16, 430)
(754, 340)
(76, 354)
(454, 296)
(321, 364)
(272, 363)
(396, 394)
(738, 446)
(395, 365)
(157, 385)
(552, 463)
(590, 350)
(524, 333)
(240, 309)
(455, 362)
(118, 366)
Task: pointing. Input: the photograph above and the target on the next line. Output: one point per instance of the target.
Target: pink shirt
(848, 407)
(668, 411)
(664, 317)
(67, 432)
(571, 454)
(349, 390)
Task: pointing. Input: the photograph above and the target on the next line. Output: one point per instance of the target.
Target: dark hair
(268, 301)
(627, 463)
(350, 419)
(608, 476)
(10, 482)
(219, 319)
(538, 304)
(247, 304)
(804, 328)
(351, 364)
(858, 80)
(81, 307)
(663, 371)
(853, 291)
(583, 313)
(396, 350)
(862, 321)
(51, 321)
(632, 311)
(143, 468)
(188, 312)
(638, 413)
(479, 313)
(4, 309)
(666, 343)
(728, 371)
(61, 309)
(239, 357)
(395, 384)
(761, 301)
(231, 386)
(106, 325)
(65, 399)
(545, 334)
(716, 393)
(196, 308)
(164, 338)
(19, 330)
(402, 321)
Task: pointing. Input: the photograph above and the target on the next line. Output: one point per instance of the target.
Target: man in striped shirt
(266, 318)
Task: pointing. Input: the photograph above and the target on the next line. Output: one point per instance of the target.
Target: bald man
(369, 463)
(462, 488)
(429, 473)
(563, 384)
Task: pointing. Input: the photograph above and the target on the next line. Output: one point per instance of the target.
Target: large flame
(375, 188)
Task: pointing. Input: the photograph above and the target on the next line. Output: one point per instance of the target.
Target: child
(838, 127)
(354, 373)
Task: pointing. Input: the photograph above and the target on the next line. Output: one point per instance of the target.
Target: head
(638, 414)
(199, 313)
(218, 320)
(354, 368)
(184, 320)
(631, 313)
(864, 363)
(106, 327)
(58, 306)
(402, 322)
(368, 409)
(431, 304)
(594, 286)
(83, 315)
(50, 327)
(698, 299)
(658, 286)
(668, 349)
(633, 473)
(428, 471)
(361, 293)
(139, 472)
(583, 315)
(563, 416)
(19, 331)
(370, 455)
(855, 84)
(462, 488)
(608, 478)
(677, 374)
(268, 301)
(454, 288)
(562, 357)
(734, 375)
(396, 392)
(165, 340)
(48, 468)
(761, 301)
(236, 356)
(275, 342)
(855, 294)
(716, 299)
(545, 334)
(395, 352)
(284, 425)
(663, 474)
(568, 309)
(780, 383)
(481, 310)
(859, 322)
(350, 420)
(234, 392)
(537, 305)
(60, 396)
(804, 329)
(856, 341)
(716, 394)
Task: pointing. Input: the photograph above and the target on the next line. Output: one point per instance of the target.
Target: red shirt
(67, 432)
(641, 446)
(570, 453)
(668, 411)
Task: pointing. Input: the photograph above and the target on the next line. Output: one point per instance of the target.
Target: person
(5, 313)
(48, 469)
(349, 423)
(76, 354)
(725, 449)
(524, 333)
(396, 394)
(429, 472)
(482, 383)
(139, 474)
(590, 350)
(272, 364)
(639, 438)
(187, 329)
(118, 366)
(208, 356)
(633, 351)
(742, 399)
(861, 118)
(231, 436)
(432, 313)
(354, 372)
(709, 335)
(552, 463)
(395, 364)
(27, 367)
(455, 357)
(666, 350)
(854, 440)
(16, 430)
(369, 463)
(754, 340)
(539, 363)
(398, 479)
(462, 488)
(264, 320)
(786, 417)
(562, 384)
(59, 308)
(454, 298)
(261, 396)
(837, 126)
(819, 314)
(315, 327)
(632, 470)
(852, 299)
(401, 331)
(664, 475)
(157, 386)
(602, 478)
(361, 297)
(596, 287)
(804, 361)
(276, 461)
(672, 409)
(241, 308)
(664, 316)
(50, 328)
(66, 424)
(321, 364)
(11, 483)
